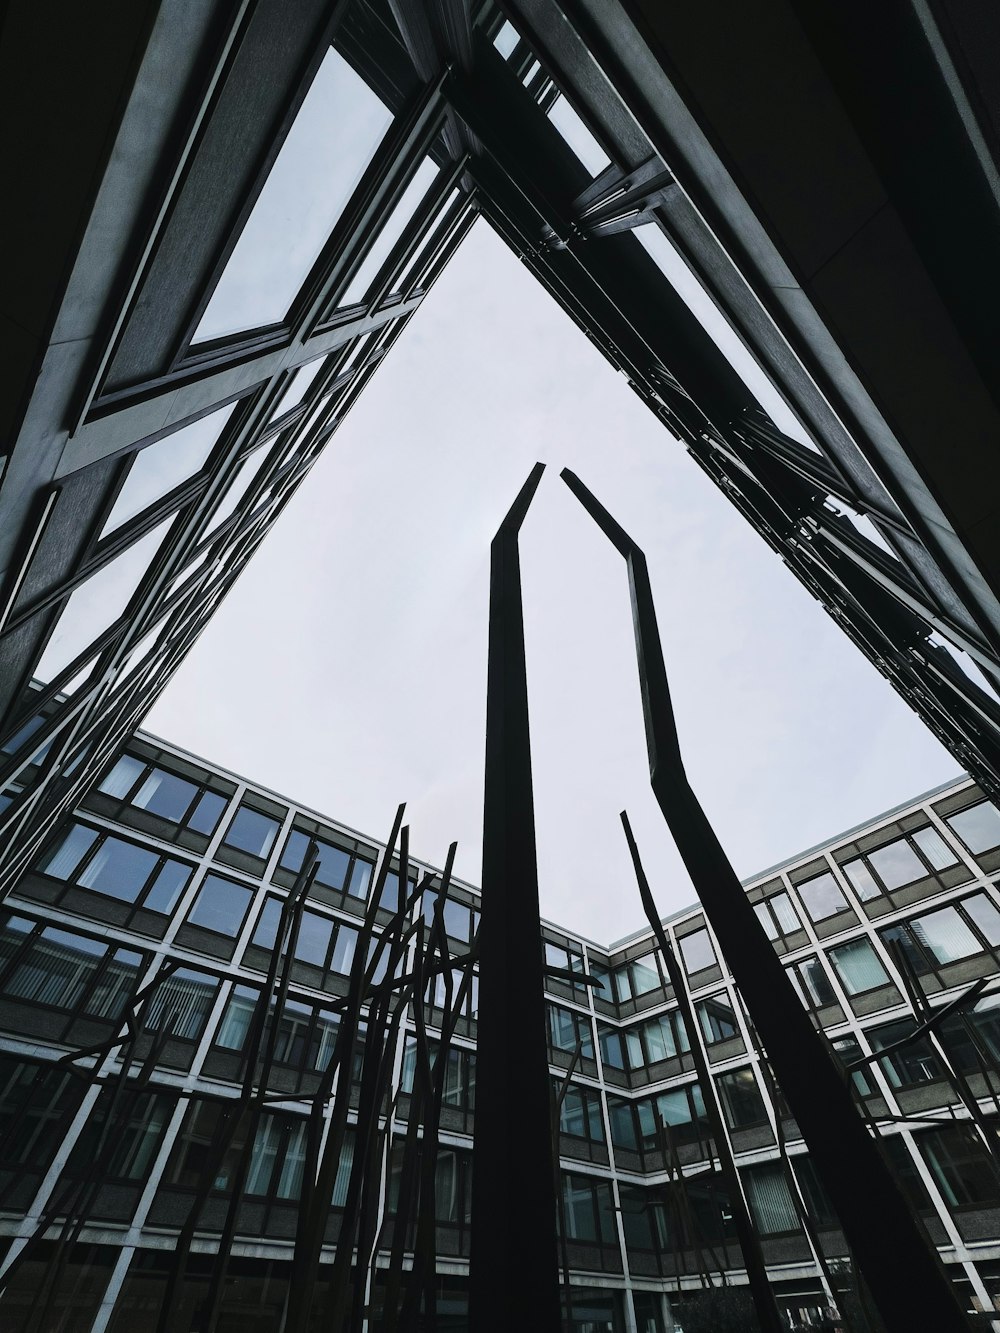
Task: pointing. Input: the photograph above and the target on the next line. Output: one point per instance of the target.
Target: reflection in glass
(98, 603)
(244, 478)
(161, 467)
(334, 137)
(410, 200)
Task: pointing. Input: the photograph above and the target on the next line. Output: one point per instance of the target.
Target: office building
(167, 883)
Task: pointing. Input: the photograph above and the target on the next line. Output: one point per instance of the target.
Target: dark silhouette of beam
(514, 1267)
(899, 1263)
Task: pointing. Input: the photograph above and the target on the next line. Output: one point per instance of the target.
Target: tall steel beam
(514, 1270)
(899, 1263)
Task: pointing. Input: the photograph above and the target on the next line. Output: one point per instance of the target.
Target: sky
(347, 667)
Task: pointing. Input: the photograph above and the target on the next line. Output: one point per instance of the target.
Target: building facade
(135, 951)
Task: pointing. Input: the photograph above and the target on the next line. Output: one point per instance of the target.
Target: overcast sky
(347, 669)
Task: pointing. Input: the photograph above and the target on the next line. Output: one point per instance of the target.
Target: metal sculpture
(903, 1272)
(514, 1268)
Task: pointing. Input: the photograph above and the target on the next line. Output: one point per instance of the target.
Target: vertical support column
(514, 1272)
(905, 1278)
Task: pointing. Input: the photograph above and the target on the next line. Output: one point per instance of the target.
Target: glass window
(934, 847)
(766, 920)
(978, 826)
(221, 906)
(184, 999)
(298, 387)
(166, 795)
(742, 1101)
(696, 950)
(858, 967)
(251, 831)
(945, 935)
(205, 815)
(61, 862)
(848, 1050)
(23, 735)
(118, 869)
(718, 1021)
(864, 883)
(506, 39)
(578, 136)
(959, 1163)
(457, 919)
(822, 897)
(333, 861)
(243, 478)
(123, 777)
(897, 864)
(310, 183)
(984, 913)
(612, 1053)
(344, 948)
(770, 1199)
(361, 877)
(313, 943)
(784, 913)
(161, 467)
(96, 604)
(911, 1064)
(410, 200)
(644, 975)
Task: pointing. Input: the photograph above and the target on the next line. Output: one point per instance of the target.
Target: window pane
(361, 875)
(409, 202)
(161, 467)
(644, 975)
(98, 603)
(220, 906)
(897, 864)
(206, 813)
(785, 913)
(343, 949)
(313, 943)
(123, 777)
(911, 1064)
(187, 998)
(858, 967)
(743, 1102)
(816, 982)
(578, 137)
(165, 795)
(252, 832)
(236, 1020)
(63, 860)
(822, 896)
(718, 1022)
(266, 933)
(978, 827)
(945, 935)
(697, 951)
(984, 913)
(118, 869)
(864, 882)
(334, 137)
(770, 1200)
(245, 476)
(298, 387)
(167, 887)
(934, 848)
(766, 920)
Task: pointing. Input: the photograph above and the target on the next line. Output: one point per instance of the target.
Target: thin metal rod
(903, 1271)
(749, 1241)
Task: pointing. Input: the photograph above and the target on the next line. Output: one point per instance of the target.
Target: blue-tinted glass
(456, 920)
(361, 876)
(313, 943)
(333, 863)
(343, 949)
(252, 832)
(167, 887)
(166, 795)
(390, 893)
(206, 813)
(123, 777)
(267, 924)
(220, 906)
(118, 869)
(22, 735)
(64, 858)
(295, 851)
